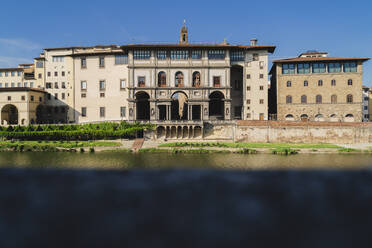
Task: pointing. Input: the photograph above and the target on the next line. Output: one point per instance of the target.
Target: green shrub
(284, 151)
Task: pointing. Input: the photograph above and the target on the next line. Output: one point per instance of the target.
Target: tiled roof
(319, 59)
(258, 47)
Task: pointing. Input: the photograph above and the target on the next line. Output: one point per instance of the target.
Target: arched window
(289, 83)
(349, 98)
(162, 79)
(350, 82)
(288, 99)
(318, 99)
(303, 99)
(289, 117)
(179, 79)
(333, 99)
(196, 79)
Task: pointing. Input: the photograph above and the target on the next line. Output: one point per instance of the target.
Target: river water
(119, 160)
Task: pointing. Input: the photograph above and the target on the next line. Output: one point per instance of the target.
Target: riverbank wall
(285, 132)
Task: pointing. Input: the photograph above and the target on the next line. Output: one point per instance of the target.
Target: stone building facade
(180, 85)
(366, 103)
(316, 87)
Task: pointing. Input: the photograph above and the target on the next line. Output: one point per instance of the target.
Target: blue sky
(342, 28)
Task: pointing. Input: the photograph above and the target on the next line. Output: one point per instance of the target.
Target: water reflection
(116, 160)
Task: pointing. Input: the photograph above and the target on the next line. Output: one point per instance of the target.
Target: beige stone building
(101, 81)
(316, 87)
(19, 105)
(366, 103)
(175, 86)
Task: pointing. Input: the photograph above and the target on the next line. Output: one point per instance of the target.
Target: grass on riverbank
(53, 145)
(249, 145)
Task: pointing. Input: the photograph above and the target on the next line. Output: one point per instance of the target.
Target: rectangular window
(303, 68)
(84, 111)
(179, 54)
(83, 85)
(12, 85)
(319, 68)
(121, 59)
(56, 96)
(248, 116)
(13, 73)
(47, 85)
(83, 62)
(19, 73)
(101, 61)
(350, 67)
(63, 74)
(63, 96)
(261, 101)
(83, 95)
(216, 54)
(6, 74)
(122, 111)
(248, 88)
(288, 69)
(255, 57)
(122, 84)
(102, 94)
(333, 82)
(39, 75)
(141, 54)
(261, 87)
(49, 74)
(56, 85)
(56, 73)
(63, 85)
(262, 65)
(31, 84)
(216, 81)
(1, 85)
(1, 74)
(261, 76)
(102, 85)
(162, 55)
(23, 98)
(237, 55)
(40, 99)
(334, 67)
(248, 101)
(196, 54)
(9, 98)
(141, 81)
(102, 111)
(248, 76)
(25, 84)
(6, 85)
(32, 98)
(49, 96)
(58, 58)
(39, 64)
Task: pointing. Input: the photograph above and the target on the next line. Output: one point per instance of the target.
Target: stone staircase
(137, 144)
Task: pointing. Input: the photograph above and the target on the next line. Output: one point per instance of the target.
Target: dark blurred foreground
(184, 208)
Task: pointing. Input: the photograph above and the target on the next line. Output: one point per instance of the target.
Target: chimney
(253, 42)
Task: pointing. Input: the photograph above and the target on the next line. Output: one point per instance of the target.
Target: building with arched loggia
(19, 106)
(179, 87)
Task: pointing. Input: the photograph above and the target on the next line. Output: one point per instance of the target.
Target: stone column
(227, 110)
(152, 111)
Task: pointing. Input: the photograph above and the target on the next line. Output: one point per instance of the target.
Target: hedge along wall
(73, 132)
